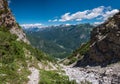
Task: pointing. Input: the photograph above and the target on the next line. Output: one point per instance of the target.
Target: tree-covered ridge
(59, 41)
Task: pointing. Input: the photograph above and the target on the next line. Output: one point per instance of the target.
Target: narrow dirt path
(34, 77)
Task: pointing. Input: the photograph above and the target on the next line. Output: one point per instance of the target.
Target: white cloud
(106, 15)
(55, 20)
(36, 25)
(98, 23)
(94, 13)
(109, 14)
(65, 17)
(76, 16)
(67, 24)
(99, 12)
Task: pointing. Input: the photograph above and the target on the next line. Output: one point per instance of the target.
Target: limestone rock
(105, 41)
(7, 20)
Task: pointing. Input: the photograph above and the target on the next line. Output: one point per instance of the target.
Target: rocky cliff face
(105, 41)
(104, 44)
(104, 50)
(7, 20)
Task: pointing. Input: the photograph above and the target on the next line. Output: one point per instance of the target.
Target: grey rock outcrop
(7, 20)
(94, 75)
(105, 41)
(101, 63)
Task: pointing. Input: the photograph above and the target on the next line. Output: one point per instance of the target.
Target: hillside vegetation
(18, 57)
(59, 41)
(77, 54)
(13, 61)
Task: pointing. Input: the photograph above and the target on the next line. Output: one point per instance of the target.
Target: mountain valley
(59, 41)
(86, 54)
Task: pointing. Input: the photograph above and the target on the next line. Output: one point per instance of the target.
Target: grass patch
(52, 77)
(13, 62)
(77, 54)
(13, 68)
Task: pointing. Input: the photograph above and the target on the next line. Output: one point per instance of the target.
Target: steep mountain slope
(104, 44)
(98, 61)
(7, 20)
(103, 47)
(77, 54)
(105, 41)
(20, 63)
(59, 41)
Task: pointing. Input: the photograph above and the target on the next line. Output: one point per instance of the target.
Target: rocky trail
(94, 75)
(34, 77)
(80, 75)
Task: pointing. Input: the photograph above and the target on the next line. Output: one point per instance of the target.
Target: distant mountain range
(39, 27)
(59, 41)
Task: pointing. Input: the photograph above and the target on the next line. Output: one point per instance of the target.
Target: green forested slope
(60, 41)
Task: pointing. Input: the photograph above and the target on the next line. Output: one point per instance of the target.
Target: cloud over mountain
(55, 20)
(36, 25)
(99, 13)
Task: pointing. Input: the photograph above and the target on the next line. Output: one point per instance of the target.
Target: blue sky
(54, 12)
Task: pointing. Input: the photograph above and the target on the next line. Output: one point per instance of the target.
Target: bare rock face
(105, 41)
(7, 20)
(104, 50)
